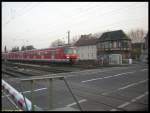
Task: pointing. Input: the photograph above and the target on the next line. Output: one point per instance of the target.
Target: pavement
(122, 88)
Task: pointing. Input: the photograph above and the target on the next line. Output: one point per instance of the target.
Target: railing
(22, 102)
(27, 105)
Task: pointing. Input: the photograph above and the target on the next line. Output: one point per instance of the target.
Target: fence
(27, 105)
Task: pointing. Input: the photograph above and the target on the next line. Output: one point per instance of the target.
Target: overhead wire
(21, 14)
(82, 14)
(93, 7)
(67, 21)
(108, 25)
(120, 9)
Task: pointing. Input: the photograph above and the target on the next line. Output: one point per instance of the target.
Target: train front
(71, 54)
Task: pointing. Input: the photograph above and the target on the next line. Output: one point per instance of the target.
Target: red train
(64, 54)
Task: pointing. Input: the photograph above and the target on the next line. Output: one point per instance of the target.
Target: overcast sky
(40, 23)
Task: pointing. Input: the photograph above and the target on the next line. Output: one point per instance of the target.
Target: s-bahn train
(64, 54)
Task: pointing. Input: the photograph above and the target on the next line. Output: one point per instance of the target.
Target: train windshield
(70, 51)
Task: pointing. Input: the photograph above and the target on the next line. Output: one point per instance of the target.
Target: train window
(45, 53)
(53, 52)
(70, 51)
(38, 53)
(48, 52)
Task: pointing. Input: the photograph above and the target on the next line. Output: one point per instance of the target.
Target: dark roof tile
(113, 35)
(86, 40)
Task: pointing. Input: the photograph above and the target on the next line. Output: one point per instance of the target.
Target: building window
(125, 44)
(102, 45)
(110, 44)
(107, 44)
(114, 43)
(119, 44)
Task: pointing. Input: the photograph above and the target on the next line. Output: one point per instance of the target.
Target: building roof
(86, 40)
(113, 35)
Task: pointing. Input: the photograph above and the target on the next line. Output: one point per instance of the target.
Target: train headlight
(67, 56)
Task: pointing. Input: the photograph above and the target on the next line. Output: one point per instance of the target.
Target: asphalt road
(107, 89)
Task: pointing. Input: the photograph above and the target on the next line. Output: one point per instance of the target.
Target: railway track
(15, 70)
(51, 69)
(27, 70)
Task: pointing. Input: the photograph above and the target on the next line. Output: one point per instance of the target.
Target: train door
(53, 52)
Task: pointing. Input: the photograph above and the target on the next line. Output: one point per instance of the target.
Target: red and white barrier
(17, 97)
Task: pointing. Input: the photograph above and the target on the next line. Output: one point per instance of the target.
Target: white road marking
(143, 81)
(27, 91)
(133, 100)
(92, 71)
(122, 88)
(139, 97)
(123, 105)
(91, 80)
(144, 69)
(133, 84)
(74, 103)
(113, 110)
(107, 76)
(35, 90)
(127, 86)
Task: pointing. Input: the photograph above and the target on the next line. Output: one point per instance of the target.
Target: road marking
(27, 91)
(92, 71)
(133, 84)
(133, 100)
(139, 97)
(74, 103)
(91, 80)
(113, 110)
(127, 86)
(123, 105)
(107, 76)
(122, 88)
(35, 90)
(144, 69)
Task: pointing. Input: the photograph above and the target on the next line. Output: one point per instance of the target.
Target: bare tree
(30, 47)
(57, 43)
(23, 48)
(5, 49)
(137, 35)
(14, 49)
(74, 40)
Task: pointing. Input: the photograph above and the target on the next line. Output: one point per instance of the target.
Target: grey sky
(40, 23)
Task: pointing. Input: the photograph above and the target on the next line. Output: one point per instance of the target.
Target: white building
(86, 47)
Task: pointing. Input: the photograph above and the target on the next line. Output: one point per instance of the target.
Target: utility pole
(68, 37)
(5, 50)
(5, 60)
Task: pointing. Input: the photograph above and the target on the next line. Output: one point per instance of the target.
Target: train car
(64, 54)
(4, 55)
